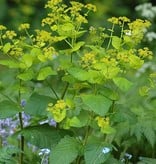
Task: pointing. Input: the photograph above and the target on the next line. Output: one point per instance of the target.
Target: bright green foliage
(66, 151)
(84, 80)
(5, 107)
(97, 103)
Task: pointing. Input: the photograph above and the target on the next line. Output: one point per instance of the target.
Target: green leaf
(9, 63)
(43, 136)
(65, 152)
(45, 72)
(145, 160)
(78, 73)
(77, 46)
(6, 48)
(26, 76)
(8, 109)
(116, 42)
(37, 105)
(27, 60)
(66, 29)
(97, 103)
(135, 62)
(95, 153)
(122, 83)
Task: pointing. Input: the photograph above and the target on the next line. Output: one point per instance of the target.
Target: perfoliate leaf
(8, 109)
(45, 72)
(135, 62)
(77, 46)
(122, 83)
(27, 75)
(37, 105)
(9, 63)
(78, 73)
(6, 47)
(65, 152)
(97, 103)
(116, 42)
(27, 60)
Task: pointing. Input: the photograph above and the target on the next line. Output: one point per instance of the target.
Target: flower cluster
(145, 53)
(102, 122)
(58, 111)
(88, 59)
(24, 26)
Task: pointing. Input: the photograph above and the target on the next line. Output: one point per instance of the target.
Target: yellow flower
(2, 27)
(88, 59)
(58, 111)
(24, 26)
(91, 7)
(102, 122)
(145, 53)
(9, 34)
(114, 20)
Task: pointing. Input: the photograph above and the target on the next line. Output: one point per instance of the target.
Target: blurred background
(14, 12)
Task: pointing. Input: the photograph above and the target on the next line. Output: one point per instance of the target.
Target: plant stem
(57, 97)
(65, 90)
(111, 35)
(21, 145)
(21, 140)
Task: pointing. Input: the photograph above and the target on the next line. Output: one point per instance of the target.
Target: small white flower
(128, 33)
(106, 150)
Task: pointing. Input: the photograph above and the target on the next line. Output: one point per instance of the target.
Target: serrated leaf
(94, 153)
(8, 109)
(145, 160)
(28, 75)
(97, 103)
(43, 136)
(65, 152)
(37, 105)
(45, 72)
(122, 83)
(116, 42)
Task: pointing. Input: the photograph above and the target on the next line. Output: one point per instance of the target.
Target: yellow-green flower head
(9, 34)
(24, 26)
(139, 24)
(48, 21)
(88, 59)
(43, 36)
(124, 19)
(52, 3)
(114, 20)
(81, 19)
(58, 111)
(91, 7)
(2, 27)
(102, 122)
(145, 53)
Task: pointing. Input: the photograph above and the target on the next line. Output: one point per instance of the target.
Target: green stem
(111, 35)
(52, 89)
(21, 145)
(27, 33)
(65, 90)
(122, 30)
(86, 135)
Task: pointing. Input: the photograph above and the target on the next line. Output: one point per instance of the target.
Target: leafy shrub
(82, 79)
